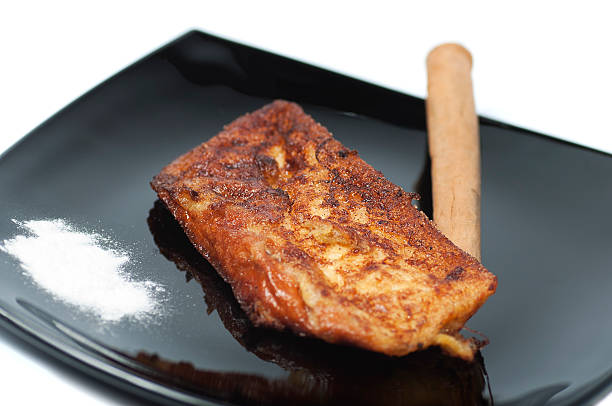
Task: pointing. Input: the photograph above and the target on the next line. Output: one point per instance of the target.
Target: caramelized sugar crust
(313, 239)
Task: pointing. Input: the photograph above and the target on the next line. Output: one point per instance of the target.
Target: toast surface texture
(313, 239)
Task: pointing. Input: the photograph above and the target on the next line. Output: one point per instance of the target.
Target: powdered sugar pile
(80, 269)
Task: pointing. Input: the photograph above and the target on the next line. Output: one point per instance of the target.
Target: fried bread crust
(313, 239)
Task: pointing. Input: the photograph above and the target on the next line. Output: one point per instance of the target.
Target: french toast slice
(313, 239)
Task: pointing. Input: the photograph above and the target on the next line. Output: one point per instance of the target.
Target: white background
(544, 66)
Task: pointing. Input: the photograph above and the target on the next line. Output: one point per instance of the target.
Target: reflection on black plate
(319, 373)
(546, 235)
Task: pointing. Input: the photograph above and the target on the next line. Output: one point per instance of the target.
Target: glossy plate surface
(546, 235)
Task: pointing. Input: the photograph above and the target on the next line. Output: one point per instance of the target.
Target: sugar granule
(76, 268)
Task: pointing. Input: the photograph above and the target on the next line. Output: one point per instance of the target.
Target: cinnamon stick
(454, 146)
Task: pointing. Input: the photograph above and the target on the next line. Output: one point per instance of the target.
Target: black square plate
(546, 235)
